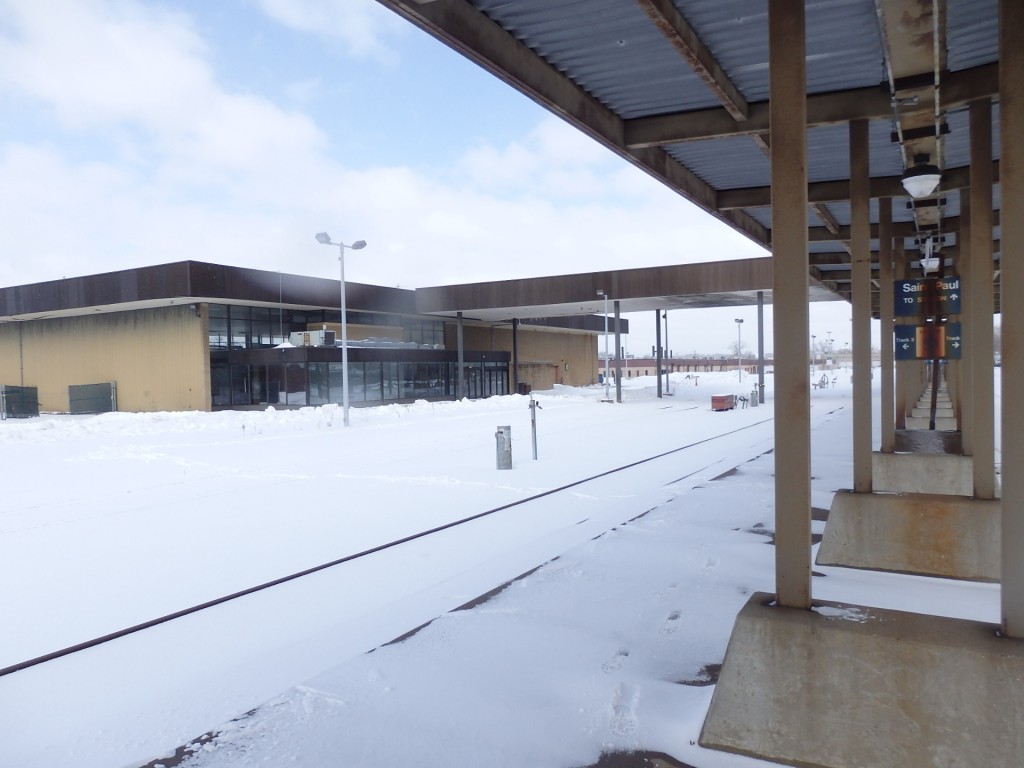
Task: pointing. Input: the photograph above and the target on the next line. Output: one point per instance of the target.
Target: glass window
(472, 372)
(334, 376)
(451, 370)
(220, 384)
(278, 328)
(435, 379)
(407, 380)
(319, 384)
(261, 333)
(372, 381)
(218, 333)
(276, 386)
(240, 385)
(239, 327)
(428, 333)
(495, 379)
(356, 390)
(260, 328)
(295, 384)
(390, 382)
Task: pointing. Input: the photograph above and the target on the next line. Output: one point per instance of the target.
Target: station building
(198, 336)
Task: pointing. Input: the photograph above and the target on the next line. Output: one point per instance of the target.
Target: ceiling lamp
(929, 257)
(922, 179)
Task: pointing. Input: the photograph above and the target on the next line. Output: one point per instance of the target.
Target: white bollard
(503, 438)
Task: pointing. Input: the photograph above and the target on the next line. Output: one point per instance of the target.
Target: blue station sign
(932, 341)
(931, 295)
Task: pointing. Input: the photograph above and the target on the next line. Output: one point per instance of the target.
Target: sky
(642, 564)
(139, 132)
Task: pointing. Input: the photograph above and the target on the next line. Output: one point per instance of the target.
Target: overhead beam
(871, 103)
(839, 191)
(827, 259)
(830, 221)
(717, 123)
(950, 225)
(685, 40)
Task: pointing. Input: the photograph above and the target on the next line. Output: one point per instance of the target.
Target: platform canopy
(683, 286)
(680, 89)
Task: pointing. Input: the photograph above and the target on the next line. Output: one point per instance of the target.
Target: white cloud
(553, 159)
(201, 172)
(358, 24)
(96, 63)
(112, 70)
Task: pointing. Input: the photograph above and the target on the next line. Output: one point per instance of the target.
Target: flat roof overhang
(682, 286)
(192, 282)
(681, 90)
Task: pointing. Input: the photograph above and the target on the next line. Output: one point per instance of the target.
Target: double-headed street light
(739, 347)
(324, 239)
(607, 385)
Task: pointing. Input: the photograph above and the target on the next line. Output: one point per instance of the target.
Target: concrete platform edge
(923, 473)
(841, 686)
(953, 537)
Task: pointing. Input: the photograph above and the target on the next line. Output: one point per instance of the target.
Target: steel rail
(53, 655)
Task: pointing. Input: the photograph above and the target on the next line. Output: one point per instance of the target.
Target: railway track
(366, 553)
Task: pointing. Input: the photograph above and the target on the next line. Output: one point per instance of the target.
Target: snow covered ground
(608, 646)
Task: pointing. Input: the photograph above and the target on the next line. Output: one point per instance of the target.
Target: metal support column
(788, 126)
(885, 313)
(460, 391)
(902, 368)
(982, 303)
(618, 354)
(1011, 179)
(515, 355)
(657, 348)
(966, 329)
(860, 275)
(760, 347)
(668, 359)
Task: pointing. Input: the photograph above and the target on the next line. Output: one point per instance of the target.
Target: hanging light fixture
(930, 257)
(922, 179)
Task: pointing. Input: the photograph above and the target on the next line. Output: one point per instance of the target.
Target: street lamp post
(607, 385)
(739, 347)
(324, 239)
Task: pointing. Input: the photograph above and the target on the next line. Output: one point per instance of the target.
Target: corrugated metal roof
(610, 48)
(957, 143)
(972, 33)
(748, 166)
(614, 52)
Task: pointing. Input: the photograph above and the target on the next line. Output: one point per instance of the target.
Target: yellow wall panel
(545, 358)
(159, 358)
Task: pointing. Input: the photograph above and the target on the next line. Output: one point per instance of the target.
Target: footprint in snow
(624, 704)
(671, 623)
(614, 664)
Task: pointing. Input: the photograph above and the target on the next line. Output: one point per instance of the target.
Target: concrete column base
(945, 423)
(927, 412)
(847, 686)
(923, 473)
(925, 534)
